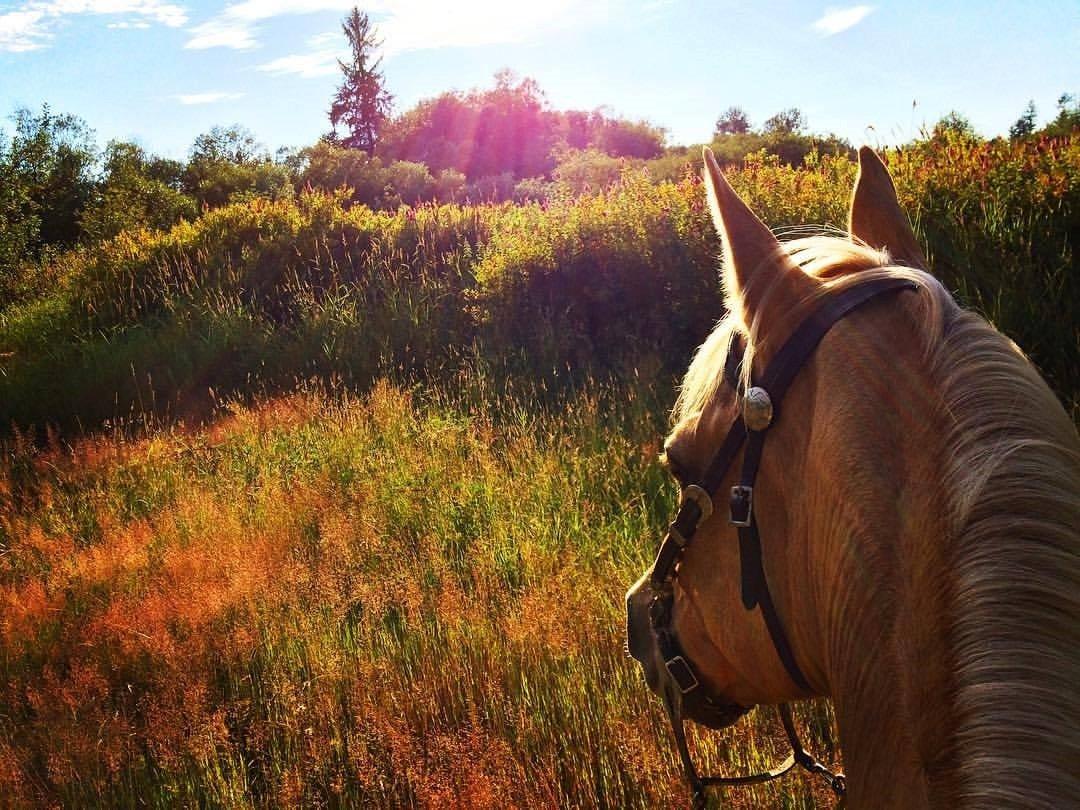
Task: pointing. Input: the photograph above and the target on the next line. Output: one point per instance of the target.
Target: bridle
(760, 409)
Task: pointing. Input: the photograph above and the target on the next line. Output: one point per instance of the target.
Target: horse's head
(796, 505)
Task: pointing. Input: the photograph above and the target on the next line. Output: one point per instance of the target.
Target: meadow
(304, 504)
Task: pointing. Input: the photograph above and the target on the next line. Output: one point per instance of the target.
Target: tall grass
(397, 600)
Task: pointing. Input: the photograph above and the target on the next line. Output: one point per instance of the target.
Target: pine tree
(361, 104)
(1025, 124)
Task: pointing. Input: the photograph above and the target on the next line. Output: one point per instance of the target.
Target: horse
(917, 507)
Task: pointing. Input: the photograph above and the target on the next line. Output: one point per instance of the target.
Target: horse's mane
(1011, 485)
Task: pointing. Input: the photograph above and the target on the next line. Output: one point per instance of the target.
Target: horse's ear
(875, 216)
(756, 268)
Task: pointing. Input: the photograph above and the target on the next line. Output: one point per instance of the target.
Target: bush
(330, 167)
(450, 186)
(588, 170)
(408, 183)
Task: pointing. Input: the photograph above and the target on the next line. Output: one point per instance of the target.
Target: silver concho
(757, 409)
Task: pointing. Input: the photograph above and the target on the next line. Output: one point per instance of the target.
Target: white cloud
(235, 26)
(207, 98)
(403, 25)
(835, 20)
(221, 33)
(22, 31)
(321, 60)
(30, 25)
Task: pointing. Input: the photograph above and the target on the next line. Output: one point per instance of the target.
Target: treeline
(58, 188)
(256, 295)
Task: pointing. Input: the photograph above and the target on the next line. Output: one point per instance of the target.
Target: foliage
(411, 182)
(46, 181)
(782, 135)
(632, 139)
(581, 171)
(786, 122)
(255, 295)
(1068, 118)
(509, 129)
(733, 121)
(329, 166)
(791, 149)
(492, 188)
(228, 164)
(954, 125)
(136, 191)
(1025, 124)
(450, 186)
(362, 103)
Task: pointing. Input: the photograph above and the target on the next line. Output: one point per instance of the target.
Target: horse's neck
(886, 657)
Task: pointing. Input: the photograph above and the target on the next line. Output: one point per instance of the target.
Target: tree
(623, 138)
(955, 124)
(1025, 124)
(733, 121)
(361, 103)
(233, 144)
(136, 190)
(786, 122)
(1068, 117)
(330, 166)
(46, 179)
(228, 164)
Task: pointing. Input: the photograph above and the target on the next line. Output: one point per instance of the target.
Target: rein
(761, 403)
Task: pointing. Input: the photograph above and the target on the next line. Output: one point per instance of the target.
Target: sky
(160, 72)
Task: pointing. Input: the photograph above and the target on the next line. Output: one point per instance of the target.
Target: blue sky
(162, 71)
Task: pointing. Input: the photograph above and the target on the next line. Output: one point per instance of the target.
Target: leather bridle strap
(696, 504)
(798, 756)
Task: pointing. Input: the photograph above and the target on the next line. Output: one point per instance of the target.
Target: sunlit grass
(383, 601)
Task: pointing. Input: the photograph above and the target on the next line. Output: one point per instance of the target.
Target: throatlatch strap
(750, 541)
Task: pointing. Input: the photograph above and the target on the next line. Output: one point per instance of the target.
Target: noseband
(761, 408)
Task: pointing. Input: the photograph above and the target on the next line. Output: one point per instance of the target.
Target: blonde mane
(1011, 498)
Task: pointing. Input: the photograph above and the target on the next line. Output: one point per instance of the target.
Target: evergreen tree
(1025, 124)
(361, 104)
(1068, 117)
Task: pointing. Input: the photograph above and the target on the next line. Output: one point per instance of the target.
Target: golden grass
(342, 602)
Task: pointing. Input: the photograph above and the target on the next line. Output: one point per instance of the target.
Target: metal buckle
(742, 505)
(681, 673)
(677, 536)
(692, 492)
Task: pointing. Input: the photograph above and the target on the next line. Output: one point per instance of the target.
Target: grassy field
(307, 505)
(394, 600)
